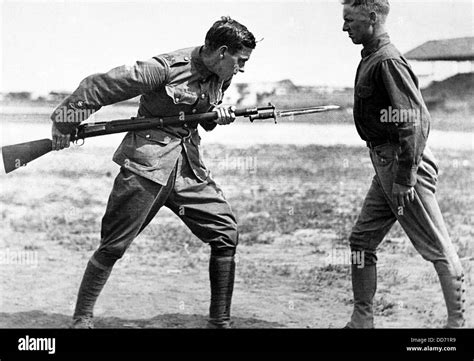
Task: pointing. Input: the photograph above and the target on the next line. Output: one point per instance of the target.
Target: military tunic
(169, 85)
(159, 166)
(385, 82)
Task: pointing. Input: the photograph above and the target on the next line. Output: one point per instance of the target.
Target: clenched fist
(225, 114)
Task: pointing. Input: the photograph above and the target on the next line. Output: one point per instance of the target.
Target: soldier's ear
(373, 17)
(222, 51)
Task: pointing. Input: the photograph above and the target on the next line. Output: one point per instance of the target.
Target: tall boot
(221, 275)
(92, 284)
(364, 285)
(454, 291)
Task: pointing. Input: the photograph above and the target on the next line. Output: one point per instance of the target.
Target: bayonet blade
(302, 111)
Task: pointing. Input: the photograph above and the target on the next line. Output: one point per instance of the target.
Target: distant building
(437, 60)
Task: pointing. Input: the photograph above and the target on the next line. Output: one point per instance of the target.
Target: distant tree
(23, 96)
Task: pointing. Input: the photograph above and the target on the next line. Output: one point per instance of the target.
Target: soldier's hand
(402, 195)
(60, 140)
(225, 114)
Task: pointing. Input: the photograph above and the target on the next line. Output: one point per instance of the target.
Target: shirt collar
(196, 58)
(375, 45)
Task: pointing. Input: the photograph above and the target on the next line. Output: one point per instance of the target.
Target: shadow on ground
(40, 319)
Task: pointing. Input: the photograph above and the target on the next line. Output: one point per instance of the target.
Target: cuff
(66, 128)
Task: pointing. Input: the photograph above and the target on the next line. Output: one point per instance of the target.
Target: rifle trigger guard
(77, 142)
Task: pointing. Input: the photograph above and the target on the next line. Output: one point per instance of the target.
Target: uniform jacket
(169, 84)
(388, 105)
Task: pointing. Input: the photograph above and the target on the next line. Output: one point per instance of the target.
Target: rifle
(18, 155)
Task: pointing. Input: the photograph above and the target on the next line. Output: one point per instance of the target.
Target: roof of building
(457, 49)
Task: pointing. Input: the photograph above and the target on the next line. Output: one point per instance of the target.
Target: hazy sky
(52, 45)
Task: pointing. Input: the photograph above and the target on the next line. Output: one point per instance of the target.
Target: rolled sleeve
(412, 117)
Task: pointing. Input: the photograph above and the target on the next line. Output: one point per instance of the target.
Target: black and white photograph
(293, 167)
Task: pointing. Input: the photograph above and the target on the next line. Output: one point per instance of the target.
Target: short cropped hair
(231, 33)
(380, 7)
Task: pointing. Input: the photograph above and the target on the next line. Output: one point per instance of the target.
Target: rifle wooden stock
(18, 155)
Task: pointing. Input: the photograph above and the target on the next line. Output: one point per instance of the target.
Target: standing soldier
(163, 167)
(391, 116)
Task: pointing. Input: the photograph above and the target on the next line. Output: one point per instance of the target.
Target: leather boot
(221, 275)
(364, 285)
(454, 291)
(92, 284)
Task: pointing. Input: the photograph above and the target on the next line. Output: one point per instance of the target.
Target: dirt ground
(293, 259)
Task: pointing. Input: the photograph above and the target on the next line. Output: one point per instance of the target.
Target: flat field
(295, 206)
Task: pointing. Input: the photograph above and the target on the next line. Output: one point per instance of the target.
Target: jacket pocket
(385, 154)
(149, 148)
(181, 95)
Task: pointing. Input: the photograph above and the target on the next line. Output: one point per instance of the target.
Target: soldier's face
(357, 24)
(231, 64)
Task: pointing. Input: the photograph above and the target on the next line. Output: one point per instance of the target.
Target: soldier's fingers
(401, 201)
(54, 142)
(232, 113)
(406, 198)
(412, 195)
(68, 141)
(224, 116)
(64, 141)
(227, 117)
(219, 116)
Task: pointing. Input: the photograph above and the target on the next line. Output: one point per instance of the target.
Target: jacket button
(177, 99)
(203, 96)
(194, 110)
(147, 136)
(186, 58)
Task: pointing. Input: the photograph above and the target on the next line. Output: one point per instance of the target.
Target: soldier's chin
(355, 41)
